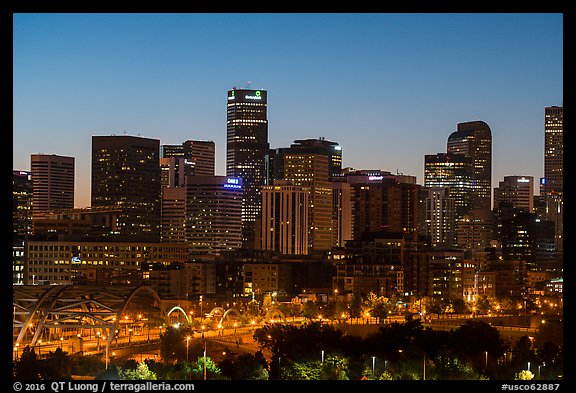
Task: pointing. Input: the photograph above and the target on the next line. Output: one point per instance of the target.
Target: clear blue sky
(390, 88)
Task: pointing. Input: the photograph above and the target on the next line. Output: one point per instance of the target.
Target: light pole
(486, 360)
(107, 359)
(187, 342)
(204, 360)
(373, 364)
(322, 356)
(424, 373)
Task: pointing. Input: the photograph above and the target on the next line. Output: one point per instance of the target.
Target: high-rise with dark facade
(473, 139)
(552, 184)
(52, 182)
(453, 171)
(213, 214)
(126, 174)
(246, 146)
(198, 156)
(21, 222)
(275, 158)
(284, 218)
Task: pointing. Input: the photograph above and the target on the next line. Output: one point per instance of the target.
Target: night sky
(390, 88)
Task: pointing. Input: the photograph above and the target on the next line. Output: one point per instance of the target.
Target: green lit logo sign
(232, 96)
(257, 96)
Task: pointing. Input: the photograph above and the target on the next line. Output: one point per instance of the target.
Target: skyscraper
(275, 158)
(440, 217)
(552, 185)
(21, 222)
(246, 146)
(453, 171)
(311, 171)
(553, 182)
(126, 173)
(213, 214)
(474, 140)
(518, 191)
(52, 182)
(198, 156)
(285, 218)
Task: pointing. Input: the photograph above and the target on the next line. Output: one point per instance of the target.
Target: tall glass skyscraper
(553, 151)
(246, 146)
(552, 184)
(53, 182)
(473, 139)
(126, 174)
(453, 171)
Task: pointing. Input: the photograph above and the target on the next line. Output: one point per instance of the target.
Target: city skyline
(389, 88)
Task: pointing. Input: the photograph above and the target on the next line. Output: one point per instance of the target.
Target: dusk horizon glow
(389, 88)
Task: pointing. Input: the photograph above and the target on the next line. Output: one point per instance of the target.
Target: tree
(459, 305)
(473, 338)
(173, 344)
(334, 368)
(142, 372)
(435, 306)
(244, 367)
(355, 308)
(56, 366)
(212, 370)
(310, 310)
(303, 370)
(28, 366)
(524, 375)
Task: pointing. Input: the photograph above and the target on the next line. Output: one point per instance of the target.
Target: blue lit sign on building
(233, 182)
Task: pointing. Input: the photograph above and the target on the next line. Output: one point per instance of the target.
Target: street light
(187, 342)
(322, 356)
(486, 362)
(373, 364)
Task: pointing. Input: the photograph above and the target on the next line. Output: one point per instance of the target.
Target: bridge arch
(62, 309)
(137, 290)
(275, 312)
(230, 310)
(215, 311)
(178, 308)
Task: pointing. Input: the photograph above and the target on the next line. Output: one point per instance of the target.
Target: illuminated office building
(198, 156)
(453, 171)
(173, 215)
(284, 225)
(518, 191)
(126, 174)
(21, 222)
(275, 158)
(173, 171)
(552, 184)
(384, 203)
(246, 146)
(310, 170)
(474, 140)
(213, 214)
(440, 217)
(52, 182)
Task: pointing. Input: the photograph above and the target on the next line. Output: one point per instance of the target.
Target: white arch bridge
(61, 311)
(51, 314)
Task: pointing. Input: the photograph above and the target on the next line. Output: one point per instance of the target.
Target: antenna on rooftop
(249, 83)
